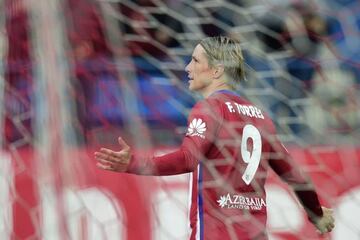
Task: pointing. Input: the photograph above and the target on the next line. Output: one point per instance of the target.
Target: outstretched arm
(177, 162)
(199, 138)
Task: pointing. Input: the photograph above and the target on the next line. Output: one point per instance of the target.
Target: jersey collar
(225, 91)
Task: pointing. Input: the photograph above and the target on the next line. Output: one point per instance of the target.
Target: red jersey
(228, 148)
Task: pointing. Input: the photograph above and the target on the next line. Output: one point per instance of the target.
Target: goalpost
(85, 72)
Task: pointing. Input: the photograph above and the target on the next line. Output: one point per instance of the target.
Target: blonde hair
(225, 51)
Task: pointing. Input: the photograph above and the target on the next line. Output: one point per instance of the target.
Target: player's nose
(187, 68)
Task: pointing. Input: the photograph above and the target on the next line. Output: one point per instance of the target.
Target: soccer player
(229, 147)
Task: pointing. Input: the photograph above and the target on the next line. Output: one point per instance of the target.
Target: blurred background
(76, 74)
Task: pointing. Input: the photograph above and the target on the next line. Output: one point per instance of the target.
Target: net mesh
(77, 74)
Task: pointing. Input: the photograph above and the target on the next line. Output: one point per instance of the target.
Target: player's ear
(218, 71)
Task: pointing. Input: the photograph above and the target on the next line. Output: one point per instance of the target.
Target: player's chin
(192, 86)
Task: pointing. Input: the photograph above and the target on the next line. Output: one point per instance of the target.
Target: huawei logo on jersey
(197, 127)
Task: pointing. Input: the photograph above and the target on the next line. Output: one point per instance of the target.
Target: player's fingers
(119, 154)
(107, 154)
(123, 144)
(104, 162)
(321, 228)
(102, 155)
(111, 159)
(330, 220)
(113, 165)
(107, 157)
(328, 210)
(328, 227)
(105, 167)
(107, 151)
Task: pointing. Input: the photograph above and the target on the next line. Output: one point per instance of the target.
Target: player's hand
(326, 223)
(112, 160)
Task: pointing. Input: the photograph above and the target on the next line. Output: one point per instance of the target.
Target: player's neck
(216, 87)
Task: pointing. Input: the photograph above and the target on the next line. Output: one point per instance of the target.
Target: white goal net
(77, 74)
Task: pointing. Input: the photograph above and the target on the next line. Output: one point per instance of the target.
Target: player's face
(199, 72)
